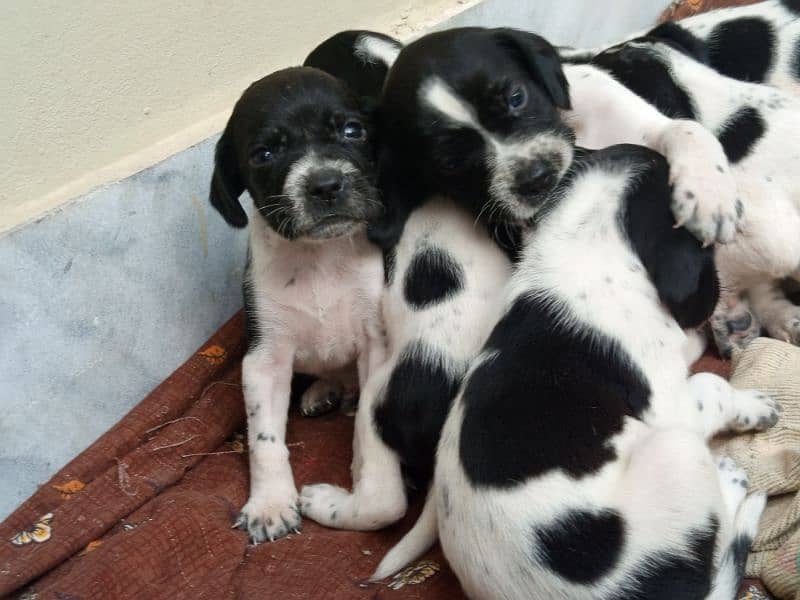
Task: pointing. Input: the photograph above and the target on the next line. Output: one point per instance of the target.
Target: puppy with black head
(574, 461)
(300, 143)
(477, 129)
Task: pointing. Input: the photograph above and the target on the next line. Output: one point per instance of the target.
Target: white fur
(458, 324)
(664, 478)
(317, 307)
(371, 49)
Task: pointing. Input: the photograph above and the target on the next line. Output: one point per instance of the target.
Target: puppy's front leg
(605, 112)
(271, 511)
(378, 498)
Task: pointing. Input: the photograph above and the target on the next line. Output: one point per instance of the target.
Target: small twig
(157, 427)
(175, 445)
(123, 479)
(213, 383)
(295, 444)
(210, 453)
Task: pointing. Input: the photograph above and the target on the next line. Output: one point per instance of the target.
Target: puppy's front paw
(270, 518)
(734, 329)
(754, 411)
(322, 397)
(733, 483)
(324, 503)
(704, 198)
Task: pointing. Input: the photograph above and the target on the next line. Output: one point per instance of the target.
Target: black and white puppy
(574, 461)
(300, 144)
(755, 125)
(481, 117)
(758, 43)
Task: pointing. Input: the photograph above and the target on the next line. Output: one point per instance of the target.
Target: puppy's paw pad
(734, 330)
(324, 503)
(754, 411)
(269, 520)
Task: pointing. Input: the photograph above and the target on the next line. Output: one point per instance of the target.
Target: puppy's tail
(734, 558)
(414, 543)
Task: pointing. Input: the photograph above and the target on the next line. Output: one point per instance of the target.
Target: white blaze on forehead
(371, 49)
(438, 95)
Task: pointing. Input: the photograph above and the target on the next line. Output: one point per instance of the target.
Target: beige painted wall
(94, 91)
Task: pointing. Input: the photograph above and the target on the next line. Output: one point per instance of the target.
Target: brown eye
(353, 130)
(261, 156)
(517, 98)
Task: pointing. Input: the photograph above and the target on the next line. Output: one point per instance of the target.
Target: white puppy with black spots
(574, 462)
(755, 126)
(484, 120)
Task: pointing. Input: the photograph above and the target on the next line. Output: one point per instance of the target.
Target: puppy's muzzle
(326, 187)
(533, 180)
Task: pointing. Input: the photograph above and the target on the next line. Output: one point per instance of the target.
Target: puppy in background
(755, 125)
(301, 144)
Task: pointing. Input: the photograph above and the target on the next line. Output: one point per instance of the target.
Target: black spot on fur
(414, 407)
(581, 546)
(681, 39)
(795, 66)
(742, 48)
(261, 437)
(432, 276)
(741, 132)
(792, 5)
(642, 71)
(389, 263)
(666, 576)
(527, 410)
(252, 328)
(682, 271)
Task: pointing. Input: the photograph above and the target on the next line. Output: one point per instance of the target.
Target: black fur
(742, 48)
(643, 72)
(741, 132)
(389, 264)
(796, 60)
(686, 576)
(681, 269)
(680, 38)
(414, 408)
(792, 5)
(526, 411)
(432, 276)
(252, 328)
(337, 56)
(581, 546)
(421, 155)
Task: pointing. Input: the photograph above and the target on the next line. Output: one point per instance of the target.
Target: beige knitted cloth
(772, 462)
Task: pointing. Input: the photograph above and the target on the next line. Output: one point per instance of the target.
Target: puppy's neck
(311, 250)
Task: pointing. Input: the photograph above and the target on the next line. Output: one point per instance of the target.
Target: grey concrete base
(103, 299)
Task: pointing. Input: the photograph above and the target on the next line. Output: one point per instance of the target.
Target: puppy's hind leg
(378, 498)
(721, 407)
(779, 316)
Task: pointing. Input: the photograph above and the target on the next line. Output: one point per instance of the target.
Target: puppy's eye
(517, 97)
(261, 156)
(353, 130)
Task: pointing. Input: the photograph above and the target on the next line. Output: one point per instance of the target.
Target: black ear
(681, 39)
(398, 199)
(226, 184)
(541, 60)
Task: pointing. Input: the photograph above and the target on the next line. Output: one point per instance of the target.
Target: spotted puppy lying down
(481, 118)
(299, 143)
(759, 42)
(574, 461)
(755, 125)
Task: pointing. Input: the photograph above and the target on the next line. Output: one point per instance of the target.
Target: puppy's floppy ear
(226, 183)
(541, 60)
(398, 199)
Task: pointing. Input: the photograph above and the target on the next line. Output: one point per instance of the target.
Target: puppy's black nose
(325, 184)
(533, 179)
